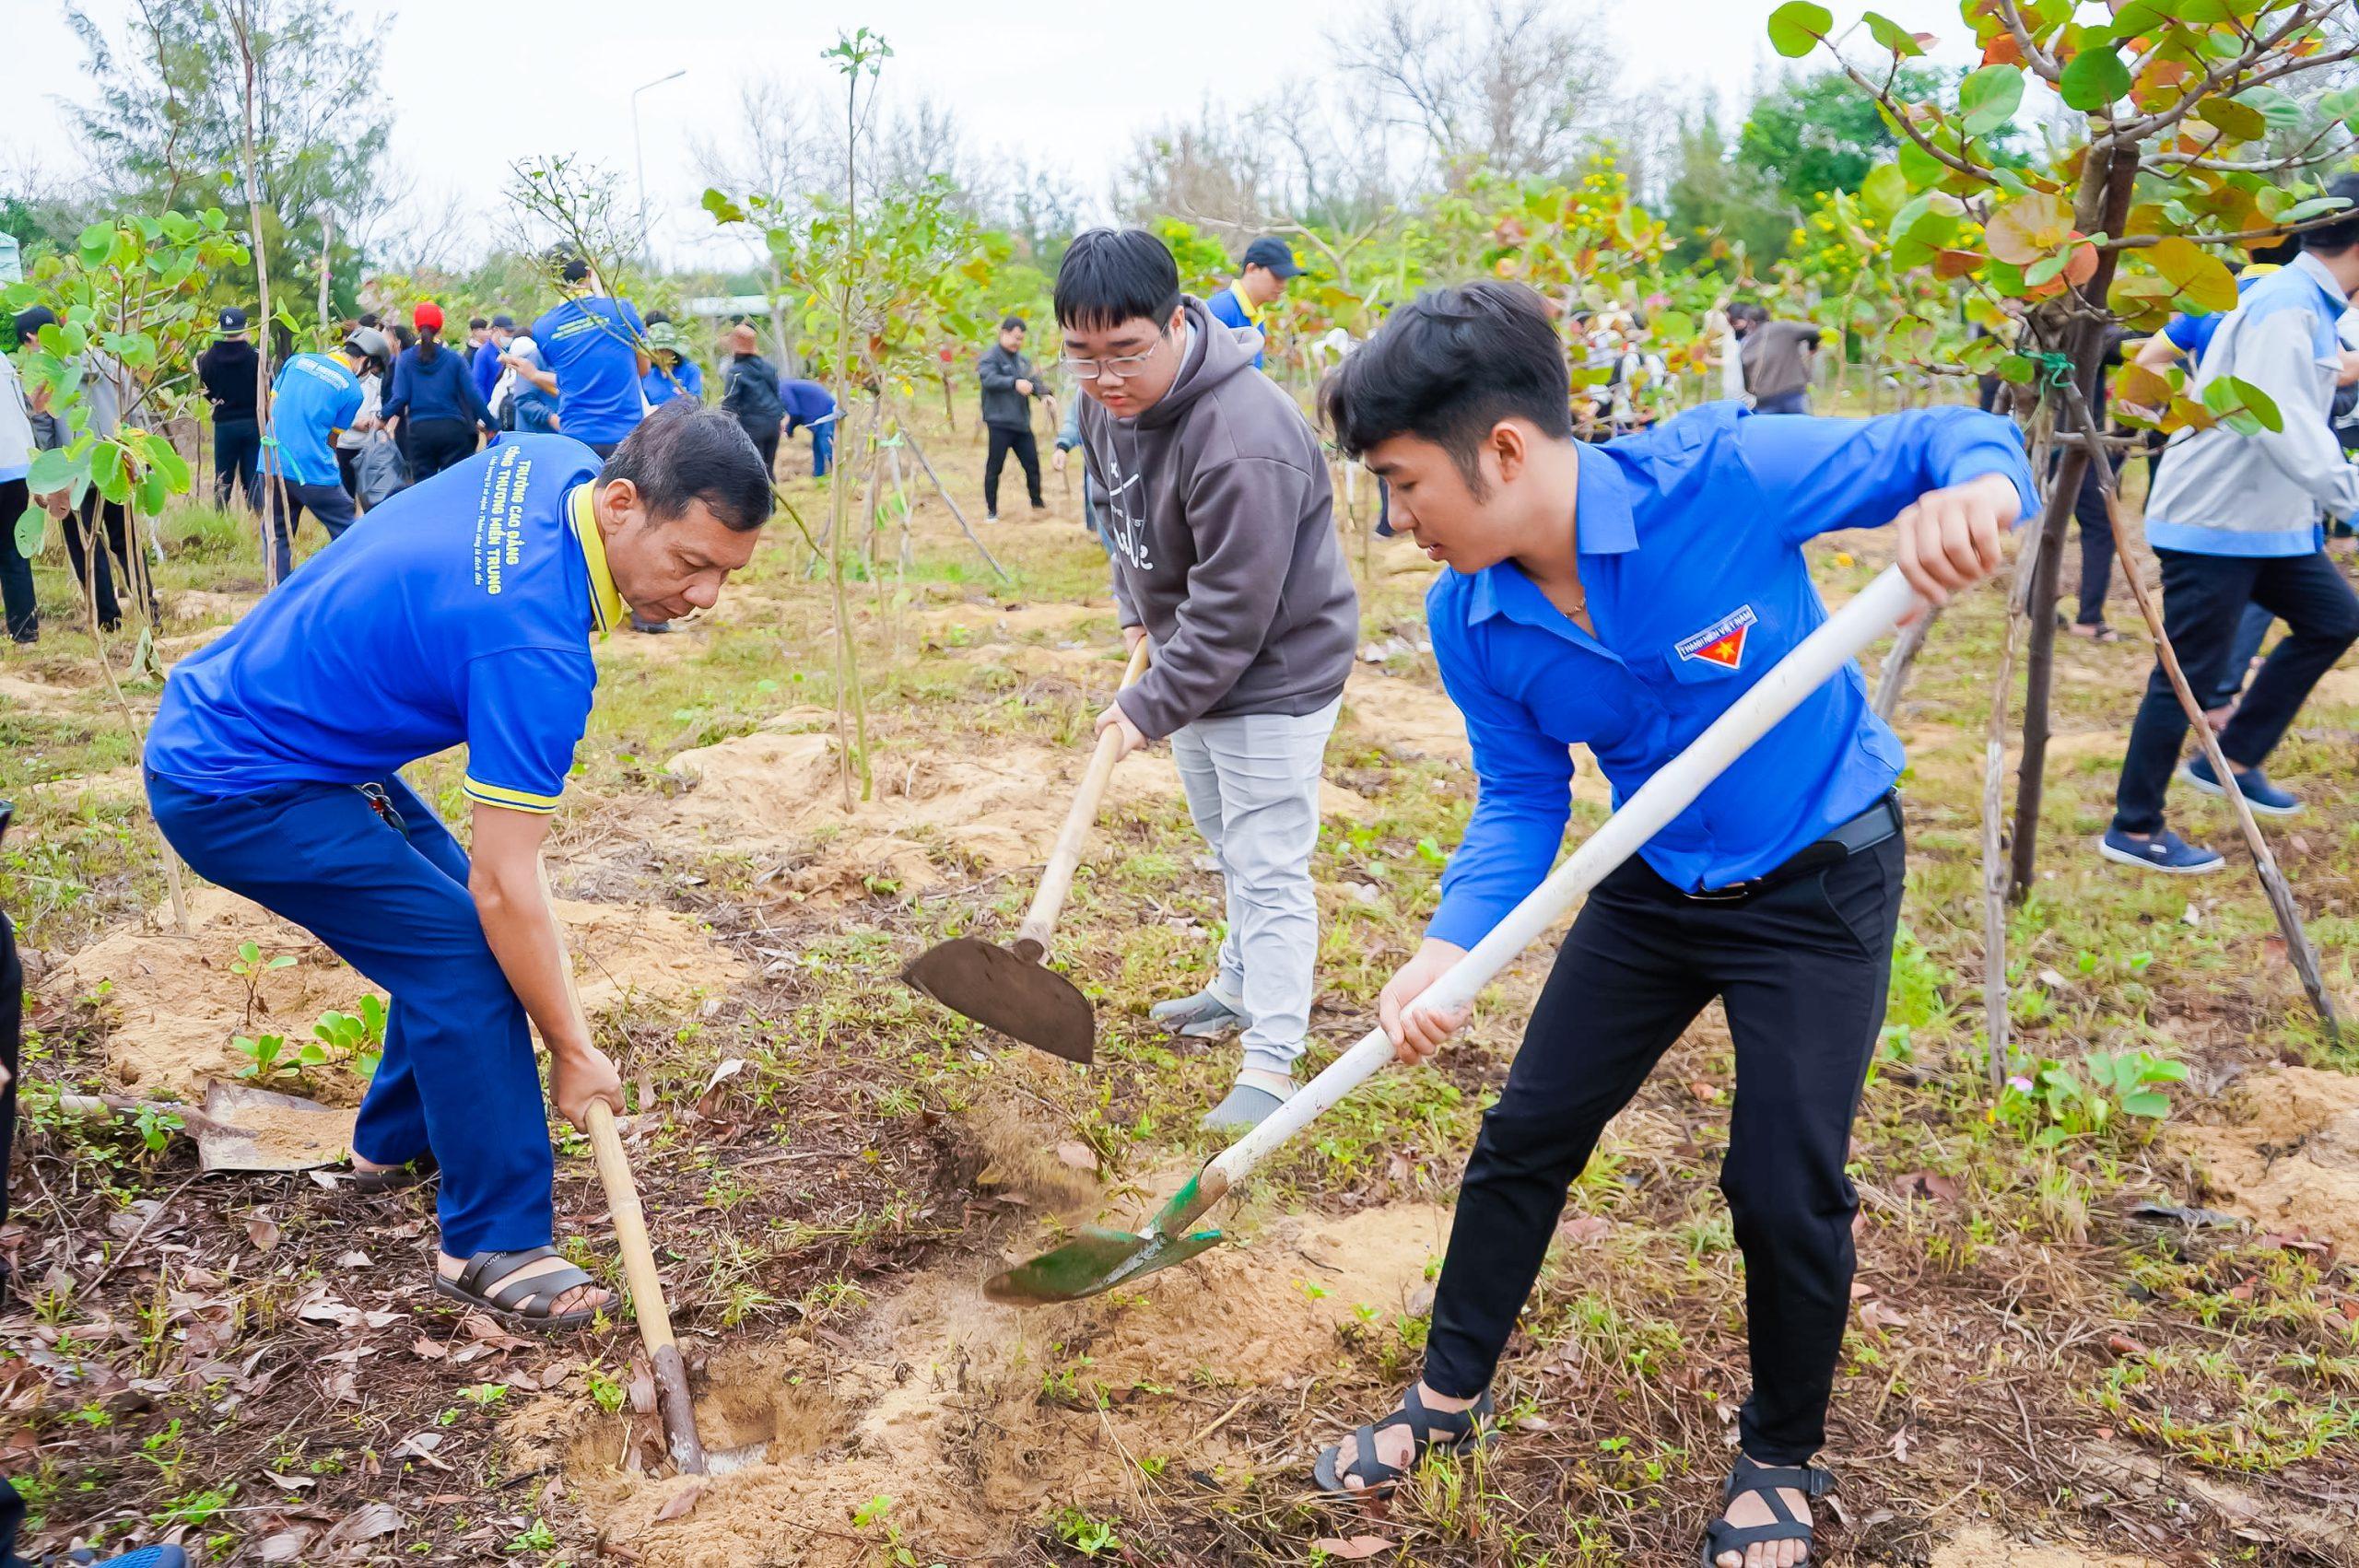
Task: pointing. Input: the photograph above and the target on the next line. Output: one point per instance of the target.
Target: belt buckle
(1732, 893)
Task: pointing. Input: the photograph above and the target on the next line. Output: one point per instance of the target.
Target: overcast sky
(477, 84)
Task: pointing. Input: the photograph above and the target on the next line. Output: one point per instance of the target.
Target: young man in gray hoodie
(1219, 519)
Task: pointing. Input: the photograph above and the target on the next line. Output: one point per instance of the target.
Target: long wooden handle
(672, 1401)
(1066, 858)
(1644, 815)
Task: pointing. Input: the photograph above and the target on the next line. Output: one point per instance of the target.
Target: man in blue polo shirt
(1268, 267)
(1622, 597)
(316, 396)
(462, 614)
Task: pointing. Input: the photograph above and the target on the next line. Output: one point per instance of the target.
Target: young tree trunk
(2107, 190)
(2299, 949)
(327, 254)
(942, 490)
(1893, 679)
(243, 26)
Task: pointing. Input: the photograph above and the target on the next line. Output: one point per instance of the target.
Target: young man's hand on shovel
(1416, 1033)
(1133, 738)
(1950, 539)
(580, 1077)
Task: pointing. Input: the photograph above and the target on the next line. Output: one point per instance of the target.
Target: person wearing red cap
(433, 391)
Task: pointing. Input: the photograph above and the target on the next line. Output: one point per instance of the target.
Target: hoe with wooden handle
(672, 1401)
(1099, 1259)
(1010, 988)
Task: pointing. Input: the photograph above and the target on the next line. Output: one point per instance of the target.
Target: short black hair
(1110, 276)
(684, 452)
(476, 323)
(1013, 323)
(368, 318)
(1747, 311)
(570, 266)
(1447, 367)
(2343, 232)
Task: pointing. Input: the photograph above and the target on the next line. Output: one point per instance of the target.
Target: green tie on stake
(1099, 1259)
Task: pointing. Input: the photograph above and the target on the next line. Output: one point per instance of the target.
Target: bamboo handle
(1056, 882)
(677, 1410)
(1662, 798)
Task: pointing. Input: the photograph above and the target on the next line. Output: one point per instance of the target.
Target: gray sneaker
(1199, 1017)
(1247, 1106)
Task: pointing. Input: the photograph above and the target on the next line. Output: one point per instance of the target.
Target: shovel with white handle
(1099, 1259)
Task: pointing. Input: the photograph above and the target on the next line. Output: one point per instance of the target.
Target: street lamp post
(639, 155)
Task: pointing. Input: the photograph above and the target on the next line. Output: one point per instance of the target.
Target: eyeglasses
(1120, 370)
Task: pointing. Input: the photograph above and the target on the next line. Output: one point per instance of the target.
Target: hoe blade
(1092, 1263)
(1003, 991)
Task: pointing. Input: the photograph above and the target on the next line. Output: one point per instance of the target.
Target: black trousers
(12, 1031)
(766, 442)
(1802, 969)
(2096, 542)
(237, 460)
(438, 444)
(2203, 602)
(1027, 452)
(16, 572)
(109, 527)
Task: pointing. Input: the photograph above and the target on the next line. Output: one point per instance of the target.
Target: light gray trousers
(1252, 784)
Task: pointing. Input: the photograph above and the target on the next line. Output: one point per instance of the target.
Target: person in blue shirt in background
(464, 613)
(316, 396)
(594, 354)
(811, 406)
(483, 360)
(670, 372)
(1622, 596)
(1262, 276)
(435, 393)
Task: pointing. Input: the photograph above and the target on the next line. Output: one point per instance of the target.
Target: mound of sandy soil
(997, 805)
(39, 696)
(1978, 1547)
(976, 1419)
(174, 1003)
(204, 604)
(2291, 1161)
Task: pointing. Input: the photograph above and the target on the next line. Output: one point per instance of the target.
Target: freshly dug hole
(977, 1421)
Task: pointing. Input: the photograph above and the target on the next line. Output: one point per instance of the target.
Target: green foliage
(2056, 1101)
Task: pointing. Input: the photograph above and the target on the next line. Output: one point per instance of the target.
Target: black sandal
(1763, 1481)
(393, 1178)
(488, 1282)
(1449, 1431)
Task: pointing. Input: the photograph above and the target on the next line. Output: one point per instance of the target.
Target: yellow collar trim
(605, 600)
(1245, 303)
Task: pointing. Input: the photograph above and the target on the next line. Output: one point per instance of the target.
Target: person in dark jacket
(227, 371)
(1009, 388)
(1220, 522)
(434, 392)
(749, 393)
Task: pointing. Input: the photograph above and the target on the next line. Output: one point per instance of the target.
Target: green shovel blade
(1095, 1261)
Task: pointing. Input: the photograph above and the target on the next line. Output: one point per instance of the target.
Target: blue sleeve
(471, 401)
(1525, 796)
(397, 399)
(1225, 311)
(486, 371)
(347, 406)
(2185, 331)
(692, 378)
(1823, 475)
(526, 710)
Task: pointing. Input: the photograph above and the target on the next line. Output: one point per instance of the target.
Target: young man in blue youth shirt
(463, 613)
(1623, 596)
(316, 396)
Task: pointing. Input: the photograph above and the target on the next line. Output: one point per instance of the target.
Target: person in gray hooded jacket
(1219, 519)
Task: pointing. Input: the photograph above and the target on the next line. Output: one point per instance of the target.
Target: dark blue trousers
(386, 889)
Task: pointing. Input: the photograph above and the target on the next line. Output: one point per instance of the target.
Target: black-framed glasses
(1121, 369)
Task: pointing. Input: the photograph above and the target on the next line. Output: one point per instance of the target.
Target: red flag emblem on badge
(1722, 642)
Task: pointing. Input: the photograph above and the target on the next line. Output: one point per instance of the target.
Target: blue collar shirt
(1690, 541)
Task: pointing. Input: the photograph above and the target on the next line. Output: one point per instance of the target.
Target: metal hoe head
(1004, 989)
(254, 1129)
(1099, 1259)
(1092, 1263)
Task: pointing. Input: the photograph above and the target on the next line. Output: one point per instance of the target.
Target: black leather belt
(1865, 831)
